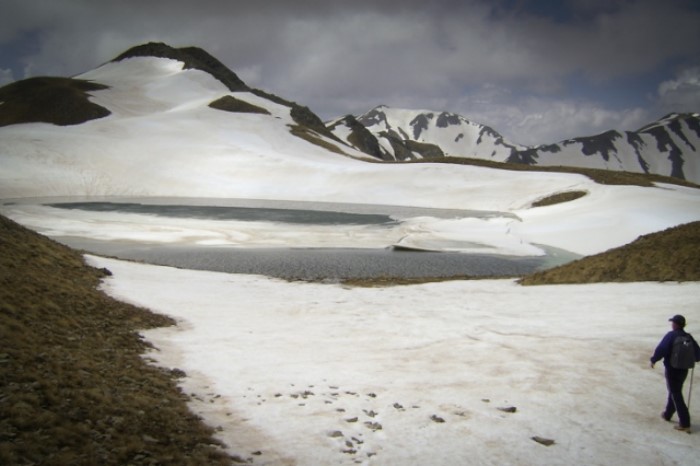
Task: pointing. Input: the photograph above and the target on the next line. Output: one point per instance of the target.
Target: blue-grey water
(304, 263)
(249, 214)
(317, 263)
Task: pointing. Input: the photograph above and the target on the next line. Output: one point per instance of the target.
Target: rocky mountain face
(192, 58)
(399, 134)
(669, 147)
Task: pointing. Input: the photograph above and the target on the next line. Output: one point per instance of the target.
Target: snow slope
(162, 139)
(312, 374)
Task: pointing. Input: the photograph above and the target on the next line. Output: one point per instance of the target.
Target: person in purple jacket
(675, 378)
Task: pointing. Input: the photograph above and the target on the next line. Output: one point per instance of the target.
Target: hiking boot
(682, 428)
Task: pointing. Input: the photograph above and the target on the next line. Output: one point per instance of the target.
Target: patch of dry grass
(61, 101)
(669, 255)
(309, 135)
(229, 103)
(559, 198)
(610, 177)
(74, 388)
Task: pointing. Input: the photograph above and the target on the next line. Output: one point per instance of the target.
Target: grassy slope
(610, 177)
(61, 101)
(669, 255)
(73, 386)
(228, 103)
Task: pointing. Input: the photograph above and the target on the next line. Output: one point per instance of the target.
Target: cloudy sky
(537, 71)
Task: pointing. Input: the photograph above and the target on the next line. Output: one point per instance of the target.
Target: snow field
(303, 373)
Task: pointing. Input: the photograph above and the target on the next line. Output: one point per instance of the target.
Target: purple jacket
(666, 345)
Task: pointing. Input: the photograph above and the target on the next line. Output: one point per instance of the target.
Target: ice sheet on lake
(468, 232)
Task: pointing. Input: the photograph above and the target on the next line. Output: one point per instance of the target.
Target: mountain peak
(192, 57)
(405, 134)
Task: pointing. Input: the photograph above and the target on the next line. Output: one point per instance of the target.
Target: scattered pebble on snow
(543, 441)
(508, 409)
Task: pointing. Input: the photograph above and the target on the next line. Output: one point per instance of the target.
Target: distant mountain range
(399, 134)
(669, 146)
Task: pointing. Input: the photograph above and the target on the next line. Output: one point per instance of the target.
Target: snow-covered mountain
(165, 122)
(669, 147)
(403, 134)
(154, 120)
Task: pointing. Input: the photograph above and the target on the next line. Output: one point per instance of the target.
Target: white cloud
(538, 120)
(6, 76)
(681, 94)
(415, 46)
(347, 57)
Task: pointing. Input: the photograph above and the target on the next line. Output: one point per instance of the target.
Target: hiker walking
(680, 351)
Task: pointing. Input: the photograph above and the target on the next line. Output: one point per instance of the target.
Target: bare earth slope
(74, 388)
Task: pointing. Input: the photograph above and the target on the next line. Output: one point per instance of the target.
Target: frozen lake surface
(309, 263)
(233, 212)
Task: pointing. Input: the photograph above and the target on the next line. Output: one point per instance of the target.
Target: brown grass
(669, 255)
(308, 135)
(610, 177)
(74, 388)
(229, 103)
(559, 198)
(61, 101)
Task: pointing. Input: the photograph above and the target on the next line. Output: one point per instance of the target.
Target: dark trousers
(674, 381)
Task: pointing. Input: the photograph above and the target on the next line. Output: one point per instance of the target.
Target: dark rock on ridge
(665, 143)
(426, 150)
(420, 124)
(192, 57)
(361, 138)
(199, 59)
(648, 150)
(446, 119)
(607, 145)
(603, 144)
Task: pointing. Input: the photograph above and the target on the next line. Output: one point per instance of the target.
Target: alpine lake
(330, 264)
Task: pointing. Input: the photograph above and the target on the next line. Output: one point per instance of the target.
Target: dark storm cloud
(532, 69)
